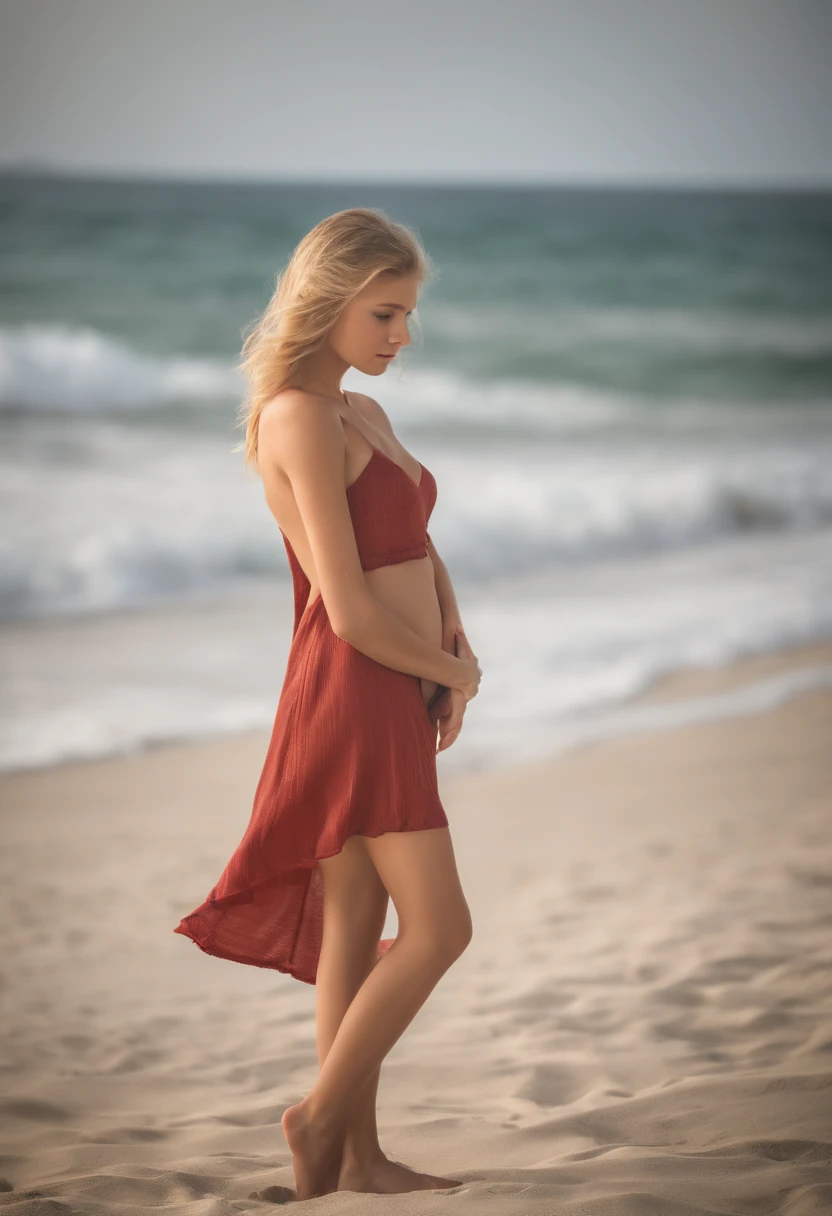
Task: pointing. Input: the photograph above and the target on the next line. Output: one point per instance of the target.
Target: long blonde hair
(331, 264)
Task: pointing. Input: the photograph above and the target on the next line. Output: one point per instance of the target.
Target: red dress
(352, 751)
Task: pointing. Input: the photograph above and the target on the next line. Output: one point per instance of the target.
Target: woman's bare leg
(418, 869)
(355, 908)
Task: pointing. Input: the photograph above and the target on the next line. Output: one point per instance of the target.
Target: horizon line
(34, 170)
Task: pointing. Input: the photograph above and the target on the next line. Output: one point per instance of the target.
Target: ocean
(625, 397)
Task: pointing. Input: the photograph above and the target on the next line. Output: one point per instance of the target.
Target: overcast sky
(700, 91)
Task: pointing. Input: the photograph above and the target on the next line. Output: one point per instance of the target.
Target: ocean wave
(71, 369)
(163, 534)
(63, 369)
(66, 370)
(691, 331)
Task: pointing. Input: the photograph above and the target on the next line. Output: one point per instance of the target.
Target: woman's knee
(419, 871)
(439, 939)
(461, 930)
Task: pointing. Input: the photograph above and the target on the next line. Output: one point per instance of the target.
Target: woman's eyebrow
(401, 306)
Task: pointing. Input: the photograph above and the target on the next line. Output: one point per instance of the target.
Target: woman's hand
(469, 681)
(450, 710)
(449, 707)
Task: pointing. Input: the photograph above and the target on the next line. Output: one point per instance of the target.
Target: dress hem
(206, 945)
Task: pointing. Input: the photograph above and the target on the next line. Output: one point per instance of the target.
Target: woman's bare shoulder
(294, 416)
(291, 403)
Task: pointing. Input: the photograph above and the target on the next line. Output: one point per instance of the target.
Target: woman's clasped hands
(450, 708)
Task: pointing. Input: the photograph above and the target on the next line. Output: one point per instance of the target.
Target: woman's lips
(386, 356)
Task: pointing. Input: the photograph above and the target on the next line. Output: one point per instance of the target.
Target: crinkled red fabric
(352, 752)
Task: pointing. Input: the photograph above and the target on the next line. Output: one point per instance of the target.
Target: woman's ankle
(360, 1153)
(322, 1118)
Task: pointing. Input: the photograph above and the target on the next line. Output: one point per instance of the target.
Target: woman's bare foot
(316, 1153)
(382, 1176)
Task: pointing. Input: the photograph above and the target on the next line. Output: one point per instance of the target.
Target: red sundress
(352, 751)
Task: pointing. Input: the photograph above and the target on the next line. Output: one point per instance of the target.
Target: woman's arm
(447, 598)
(310, 438)
(449, 705)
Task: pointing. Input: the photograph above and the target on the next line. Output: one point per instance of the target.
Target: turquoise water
(661, 295)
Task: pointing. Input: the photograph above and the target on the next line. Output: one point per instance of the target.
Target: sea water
(625, 397)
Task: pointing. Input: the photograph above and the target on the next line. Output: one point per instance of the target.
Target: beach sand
(641, 1025)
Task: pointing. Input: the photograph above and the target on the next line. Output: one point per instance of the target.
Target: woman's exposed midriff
(390, 509)
(407, 589)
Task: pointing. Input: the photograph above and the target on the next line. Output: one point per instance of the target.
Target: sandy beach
(641, 1026)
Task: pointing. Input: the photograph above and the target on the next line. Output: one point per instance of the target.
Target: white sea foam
(67, 368)
(560, 652)
(118, 517)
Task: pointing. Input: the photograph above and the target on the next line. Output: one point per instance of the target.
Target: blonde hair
(331, 264)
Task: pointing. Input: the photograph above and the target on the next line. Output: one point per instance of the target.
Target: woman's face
(373, 327)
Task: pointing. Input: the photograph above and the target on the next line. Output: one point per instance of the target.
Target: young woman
(347, 811)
